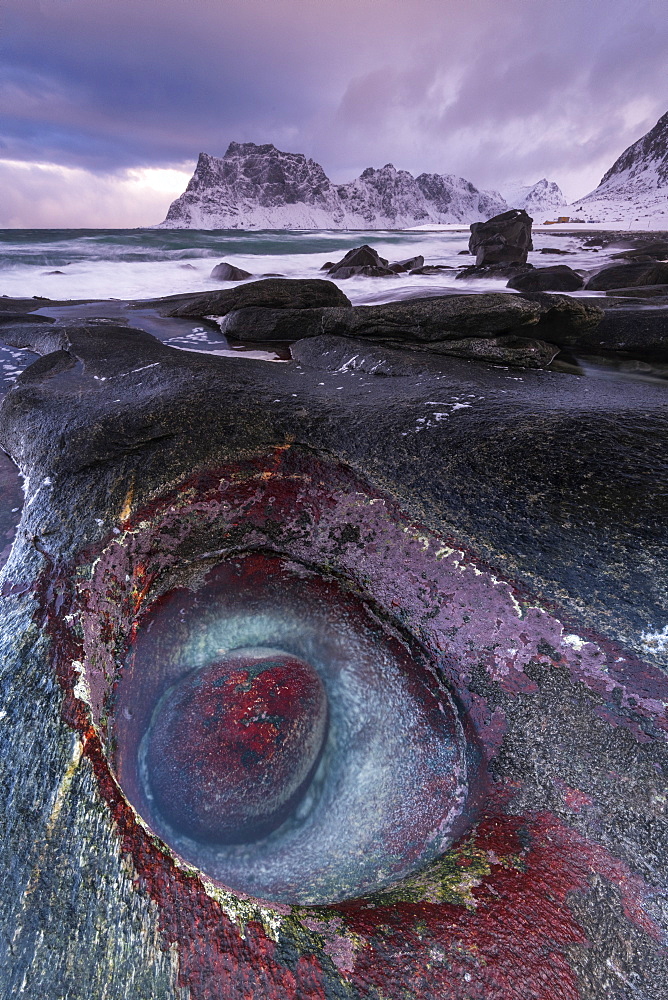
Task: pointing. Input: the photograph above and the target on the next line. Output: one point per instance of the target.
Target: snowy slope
(634, 191)
(260, 187)
(544, 198)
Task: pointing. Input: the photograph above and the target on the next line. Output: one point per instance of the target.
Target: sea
(145, 263)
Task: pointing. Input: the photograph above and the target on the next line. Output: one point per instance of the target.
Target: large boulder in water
(558, 278)
(627, 275)
(505, 238)
(276, 293)
(228, 272)
(362, 260)
(493, 271)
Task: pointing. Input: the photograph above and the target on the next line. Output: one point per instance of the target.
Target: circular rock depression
(281, 735)
(233, 745)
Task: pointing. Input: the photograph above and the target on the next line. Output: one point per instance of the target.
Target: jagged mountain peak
(543, 196)
(648, 156)
(634, 191)
(260, 187)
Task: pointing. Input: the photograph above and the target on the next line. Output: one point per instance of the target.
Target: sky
(106, 104)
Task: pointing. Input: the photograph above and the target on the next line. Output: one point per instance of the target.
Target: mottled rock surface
(558, 278)
(626, 275)
(228, 272)
(503, 239)
(513, 525)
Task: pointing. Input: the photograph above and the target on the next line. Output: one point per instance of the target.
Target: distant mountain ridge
(543, 197)
(635, 188)
(261, 187)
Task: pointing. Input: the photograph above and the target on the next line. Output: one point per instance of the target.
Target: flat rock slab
(627, 275)
(275, 293)
(423, 319)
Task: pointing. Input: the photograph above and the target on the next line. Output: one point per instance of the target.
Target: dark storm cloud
(494, 91)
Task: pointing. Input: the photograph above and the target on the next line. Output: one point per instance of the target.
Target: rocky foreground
(504, 520)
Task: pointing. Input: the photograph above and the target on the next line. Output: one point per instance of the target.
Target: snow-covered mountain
(260, 187)
(634, 191)
(543, 197)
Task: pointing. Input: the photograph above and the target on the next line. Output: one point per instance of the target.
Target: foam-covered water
(146, 263)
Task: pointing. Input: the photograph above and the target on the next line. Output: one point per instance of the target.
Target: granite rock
(228, 272)
(558, 278)
(503, 239)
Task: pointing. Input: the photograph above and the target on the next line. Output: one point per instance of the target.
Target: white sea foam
(136, 264)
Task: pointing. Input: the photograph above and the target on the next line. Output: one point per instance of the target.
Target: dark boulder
(603, 325)
(505, 238)
(555, 250)
(365, 271)
(656, 250)
(343, 354)
(558, 278)
(628, 275)
(422, 320)
(506, 349)
(432, 269)
(362, 260)
(640, 333)
(228, 272)
(261, 324)
(564, 320)
(494, 271)
(641, 292)
(410, 264)
(276, 293)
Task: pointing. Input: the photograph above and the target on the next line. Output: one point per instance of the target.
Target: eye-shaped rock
(280, 735)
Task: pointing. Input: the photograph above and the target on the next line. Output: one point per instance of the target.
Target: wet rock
(276, 293)
(641, 333)
(657, 250)
(423, 319)
(340, 354)
(640, 292)
(364, 261)
(259, 324)
(411, 264)
(519, 352)
(12, 318)
(554, 250)
(432, 269)
(503, 239)
(228, 272)
(495, 271)
(343, 354)
(628, 275)
(469, 505)
(558, 278)
(40, 337)
(564, 320)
